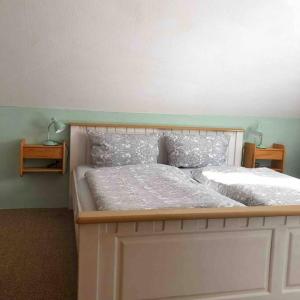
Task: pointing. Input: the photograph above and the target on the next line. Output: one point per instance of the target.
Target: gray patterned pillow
(191, 151)
(117, 149)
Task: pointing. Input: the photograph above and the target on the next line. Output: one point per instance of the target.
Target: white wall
(167, 56)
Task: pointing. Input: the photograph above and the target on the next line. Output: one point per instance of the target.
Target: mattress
(150, 186)
(252, 187)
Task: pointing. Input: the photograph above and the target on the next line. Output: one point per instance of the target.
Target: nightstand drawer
(272, 154)
(43, 152)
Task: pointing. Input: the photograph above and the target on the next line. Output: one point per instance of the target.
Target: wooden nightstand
(56, 154)
(276, 155)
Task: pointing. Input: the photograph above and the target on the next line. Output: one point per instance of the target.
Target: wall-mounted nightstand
(57, 155)
(276, 155)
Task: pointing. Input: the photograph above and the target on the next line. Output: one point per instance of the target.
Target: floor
(37, 255)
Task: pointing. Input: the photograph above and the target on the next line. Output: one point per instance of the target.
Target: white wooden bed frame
(184, 254)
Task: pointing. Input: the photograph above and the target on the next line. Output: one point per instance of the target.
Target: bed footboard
(251, 258)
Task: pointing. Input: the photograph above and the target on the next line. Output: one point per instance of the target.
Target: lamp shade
(59, 126)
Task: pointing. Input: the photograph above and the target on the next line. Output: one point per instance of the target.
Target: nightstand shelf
(55, 154)
(276, 155)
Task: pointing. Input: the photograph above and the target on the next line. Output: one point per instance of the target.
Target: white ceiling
(228, 57)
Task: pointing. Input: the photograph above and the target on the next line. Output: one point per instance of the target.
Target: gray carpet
(37, 255)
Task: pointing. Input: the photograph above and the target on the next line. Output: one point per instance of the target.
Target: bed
(191, 253)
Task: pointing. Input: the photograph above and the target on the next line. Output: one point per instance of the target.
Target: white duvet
(260, 186)
(150, 186)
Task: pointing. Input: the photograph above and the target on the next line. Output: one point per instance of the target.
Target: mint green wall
(50, 190)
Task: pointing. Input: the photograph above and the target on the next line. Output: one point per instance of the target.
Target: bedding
(191, 151)
(116, 149)
(260, 186)
(86, 200)
(150, 186)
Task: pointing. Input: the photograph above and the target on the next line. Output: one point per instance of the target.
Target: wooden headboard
(79, 148)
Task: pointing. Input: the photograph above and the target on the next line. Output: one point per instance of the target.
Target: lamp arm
(49, 127)
(261, 139)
